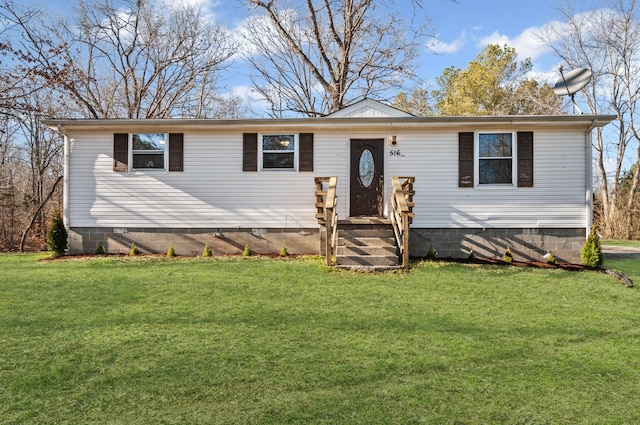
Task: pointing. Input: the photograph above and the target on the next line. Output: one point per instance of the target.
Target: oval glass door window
(366, 169)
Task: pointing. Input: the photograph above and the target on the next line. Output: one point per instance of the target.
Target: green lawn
(270, 341)
(634, 244)
(630, 267)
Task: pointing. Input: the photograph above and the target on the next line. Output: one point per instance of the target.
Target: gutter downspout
(589, 177)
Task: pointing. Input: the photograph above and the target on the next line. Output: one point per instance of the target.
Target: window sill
(509, 186)
(147, 172)
(278, 170)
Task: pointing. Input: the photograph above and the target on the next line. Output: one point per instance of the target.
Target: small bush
(507, 257)
(283, 251)
(99, 249)
(471, 256)
(549, 258)
(207, 251)
(57, 237)
(591, 252)
(171, 252)
(432, 254)
(247, 251)
(134, 249)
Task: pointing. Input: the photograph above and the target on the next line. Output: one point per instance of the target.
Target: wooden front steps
(366, 243)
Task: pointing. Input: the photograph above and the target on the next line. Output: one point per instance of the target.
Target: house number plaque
(395, 152)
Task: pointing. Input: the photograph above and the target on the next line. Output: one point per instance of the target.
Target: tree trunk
(35, 215)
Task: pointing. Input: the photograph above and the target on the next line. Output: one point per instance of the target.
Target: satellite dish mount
(571, 83)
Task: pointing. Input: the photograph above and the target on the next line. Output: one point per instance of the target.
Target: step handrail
(326, 204)
(402, 213)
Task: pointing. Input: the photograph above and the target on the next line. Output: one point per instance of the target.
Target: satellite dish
(570, 83)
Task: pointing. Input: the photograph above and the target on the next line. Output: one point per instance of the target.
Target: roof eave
(329, 122)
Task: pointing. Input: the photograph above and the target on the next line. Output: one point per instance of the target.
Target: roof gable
(368, 108)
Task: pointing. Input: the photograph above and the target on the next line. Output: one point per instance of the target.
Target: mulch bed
(536, 264)
(544, 265)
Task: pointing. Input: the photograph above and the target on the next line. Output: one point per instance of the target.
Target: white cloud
(440, 47)
(252, 97)
(549, 76)
(198, 3)
(527, 43)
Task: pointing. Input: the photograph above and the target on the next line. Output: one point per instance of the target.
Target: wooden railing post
(402, 213)
(326, 203)
(405, 240)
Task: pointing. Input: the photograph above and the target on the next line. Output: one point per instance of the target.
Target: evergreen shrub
(57, 237)
(591, 252)
(99, 249)
(507, 257)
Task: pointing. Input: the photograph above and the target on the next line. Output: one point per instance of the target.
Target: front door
(367, 177)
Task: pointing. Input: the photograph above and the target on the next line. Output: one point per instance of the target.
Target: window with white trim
(148, 151)
(278, 152)
(495, 158)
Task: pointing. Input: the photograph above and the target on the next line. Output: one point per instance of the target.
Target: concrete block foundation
(84, 240)
(525, 244)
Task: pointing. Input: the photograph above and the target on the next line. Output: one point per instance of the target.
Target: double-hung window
(496, 158)
(278, 152)
(148, 151)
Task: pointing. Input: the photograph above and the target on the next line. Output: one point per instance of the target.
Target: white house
(481, 183)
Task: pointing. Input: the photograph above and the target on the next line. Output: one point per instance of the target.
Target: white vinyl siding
(213, 191)
(556, 200)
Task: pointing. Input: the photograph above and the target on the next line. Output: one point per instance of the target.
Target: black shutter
(176, 152)
(465, 159)
(525, 159)
(121, 152)
(306, 152)
(250, 152)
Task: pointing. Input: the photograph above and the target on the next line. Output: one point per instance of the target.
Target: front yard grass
(618, 242)
(629, 266)
(277, 341)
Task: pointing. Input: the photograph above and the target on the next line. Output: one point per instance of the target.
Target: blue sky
(462, 27)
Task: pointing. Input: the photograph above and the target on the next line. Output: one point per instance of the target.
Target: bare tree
(314, 57)
(42, 150)
(133, 59)
(10, 178)
(607, 41)
(124, 59)
(416, 103)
